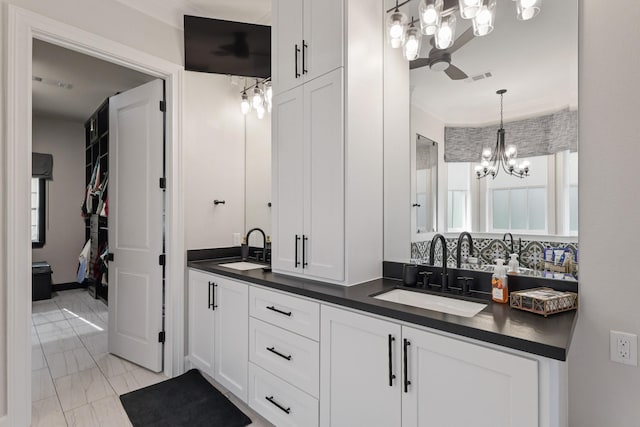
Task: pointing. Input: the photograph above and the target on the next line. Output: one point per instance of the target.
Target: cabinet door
(200, 321)
(231, 335)
(357, 359)
(323, 41)
(286, 45)
(324, 177)
(454, 383)
(287, 167)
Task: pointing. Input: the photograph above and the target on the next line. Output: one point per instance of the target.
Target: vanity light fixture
(413, 39)
(484, 19)
(244, 104)
(527, 9)
(502, 156)
(438, 18)
(430, 12)
(395, 26)
(260, 100)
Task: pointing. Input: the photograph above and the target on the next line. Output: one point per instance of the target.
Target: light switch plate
(623, 348)
(236, 239)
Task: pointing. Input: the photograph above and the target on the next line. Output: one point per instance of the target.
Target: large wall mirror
(536, 61)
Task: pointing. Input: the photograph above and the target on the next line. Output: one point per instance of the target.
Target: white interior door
(136, 205)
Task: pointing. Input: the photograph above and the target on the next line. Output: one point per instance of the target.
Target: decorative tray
(544, 301)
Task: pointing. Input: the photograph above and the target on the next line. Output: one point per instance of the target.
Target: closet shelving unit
(96, 226)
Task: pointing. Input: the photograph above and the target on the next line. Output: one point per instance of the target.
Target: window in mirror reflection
(546, 202)
(519, 204)
(458, 179)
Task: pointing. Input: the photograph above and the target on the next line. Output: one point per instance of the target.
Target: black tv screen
(227, 47)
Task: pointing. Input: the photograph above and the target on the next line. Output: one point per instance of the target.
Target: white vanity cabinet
(378, 373)
(308, 175)
(218, 329)
(284, 366)
(327, 139)
(307, 40)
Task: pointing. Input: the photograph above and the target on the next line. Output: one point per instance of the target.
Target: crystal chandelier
(502, 156)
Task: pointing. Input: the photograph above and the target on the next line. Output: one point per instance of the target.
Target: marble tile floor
(75, 381)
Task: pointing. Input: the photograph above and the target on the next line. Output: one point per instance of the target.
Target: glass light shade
(511, 151)
(446, 33)
(395, 28)
(268, 92)
(486, 153)
(527, 9)
(260, 112)
(429, 11)
(244, 104)
(469, 8)
(257, 99)
(484, 20)
(412, 43)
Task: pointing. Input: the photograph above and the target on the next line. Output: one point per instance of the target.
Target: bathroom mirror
(257, 176)
(536, 61)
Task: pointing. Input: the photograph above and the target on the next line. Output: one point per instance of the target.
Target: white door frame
(15, 257)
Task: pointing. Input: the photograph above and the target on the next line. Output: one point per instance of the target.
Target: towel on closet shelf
(83, 262)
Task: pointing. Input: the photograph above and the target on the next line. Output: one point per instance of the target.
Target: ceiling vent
(478, 77)
(52, 82)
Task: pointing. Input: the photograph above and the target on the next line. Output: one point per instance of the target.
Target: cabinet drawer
(279, 402)
(291, 357)
(288, 312)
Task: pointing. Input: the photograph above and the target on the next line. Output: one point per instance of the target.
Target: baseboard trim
(67, 286)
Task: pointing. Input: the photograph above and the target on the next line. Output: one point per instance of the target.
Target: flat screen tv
(227, 47)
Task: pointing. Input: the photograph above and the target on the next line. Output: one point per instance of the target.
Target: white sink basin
(432, 302)
(242, 265)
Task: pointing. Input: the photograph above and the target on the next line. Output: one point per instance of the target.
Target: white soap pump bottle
(514, 265)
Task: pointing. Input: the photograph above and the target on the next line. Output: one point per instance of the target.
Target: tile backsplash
(531, 252)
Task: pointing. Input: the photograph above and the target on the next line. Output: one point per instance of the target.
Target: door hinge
(162, 259)
(163, 183)
(161, 337)
(163, 106)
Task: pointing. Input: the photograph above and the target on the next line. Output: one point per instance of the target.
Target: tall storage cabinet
(307, 40)
(327, 139)
(310, 209)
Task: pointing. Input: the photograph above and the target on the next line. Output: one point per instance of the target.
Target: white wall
(397, 154)
(65, 230)
(602, 393)
(214, 160)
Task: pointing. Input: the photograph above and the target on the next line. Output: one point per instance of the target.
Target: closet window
(38, 186)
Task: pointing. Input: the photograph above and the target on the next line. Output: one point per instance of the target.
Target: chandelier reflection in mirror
(260, 98)
(502, 156)
(437, 18)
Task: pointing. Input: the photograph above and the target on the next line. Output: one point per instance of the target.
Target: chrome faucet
(461, 238)
(264, 242)
(504, 239)
(432, 251)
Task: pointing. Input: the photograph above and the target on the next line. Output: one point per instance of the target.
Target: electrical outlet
(623, 348)
(236, 239)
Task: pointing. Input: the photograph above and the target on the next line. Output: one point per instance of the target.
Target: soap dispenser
(244, 249)
(514, 265)
(499, 288)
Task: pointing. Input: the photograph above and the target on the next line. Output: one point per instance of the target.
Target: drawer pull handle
(274, 351)
(282, 408)
(272, 308)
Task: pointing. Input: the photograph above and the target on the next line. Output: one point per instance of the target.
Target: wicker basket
(544, 301)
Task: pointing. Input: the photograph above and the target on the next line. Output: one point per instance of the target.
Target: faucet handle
(426, 279)
(465, 288)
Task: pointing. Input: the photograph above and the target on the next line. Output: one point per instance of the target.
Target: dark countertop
(497, 323)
